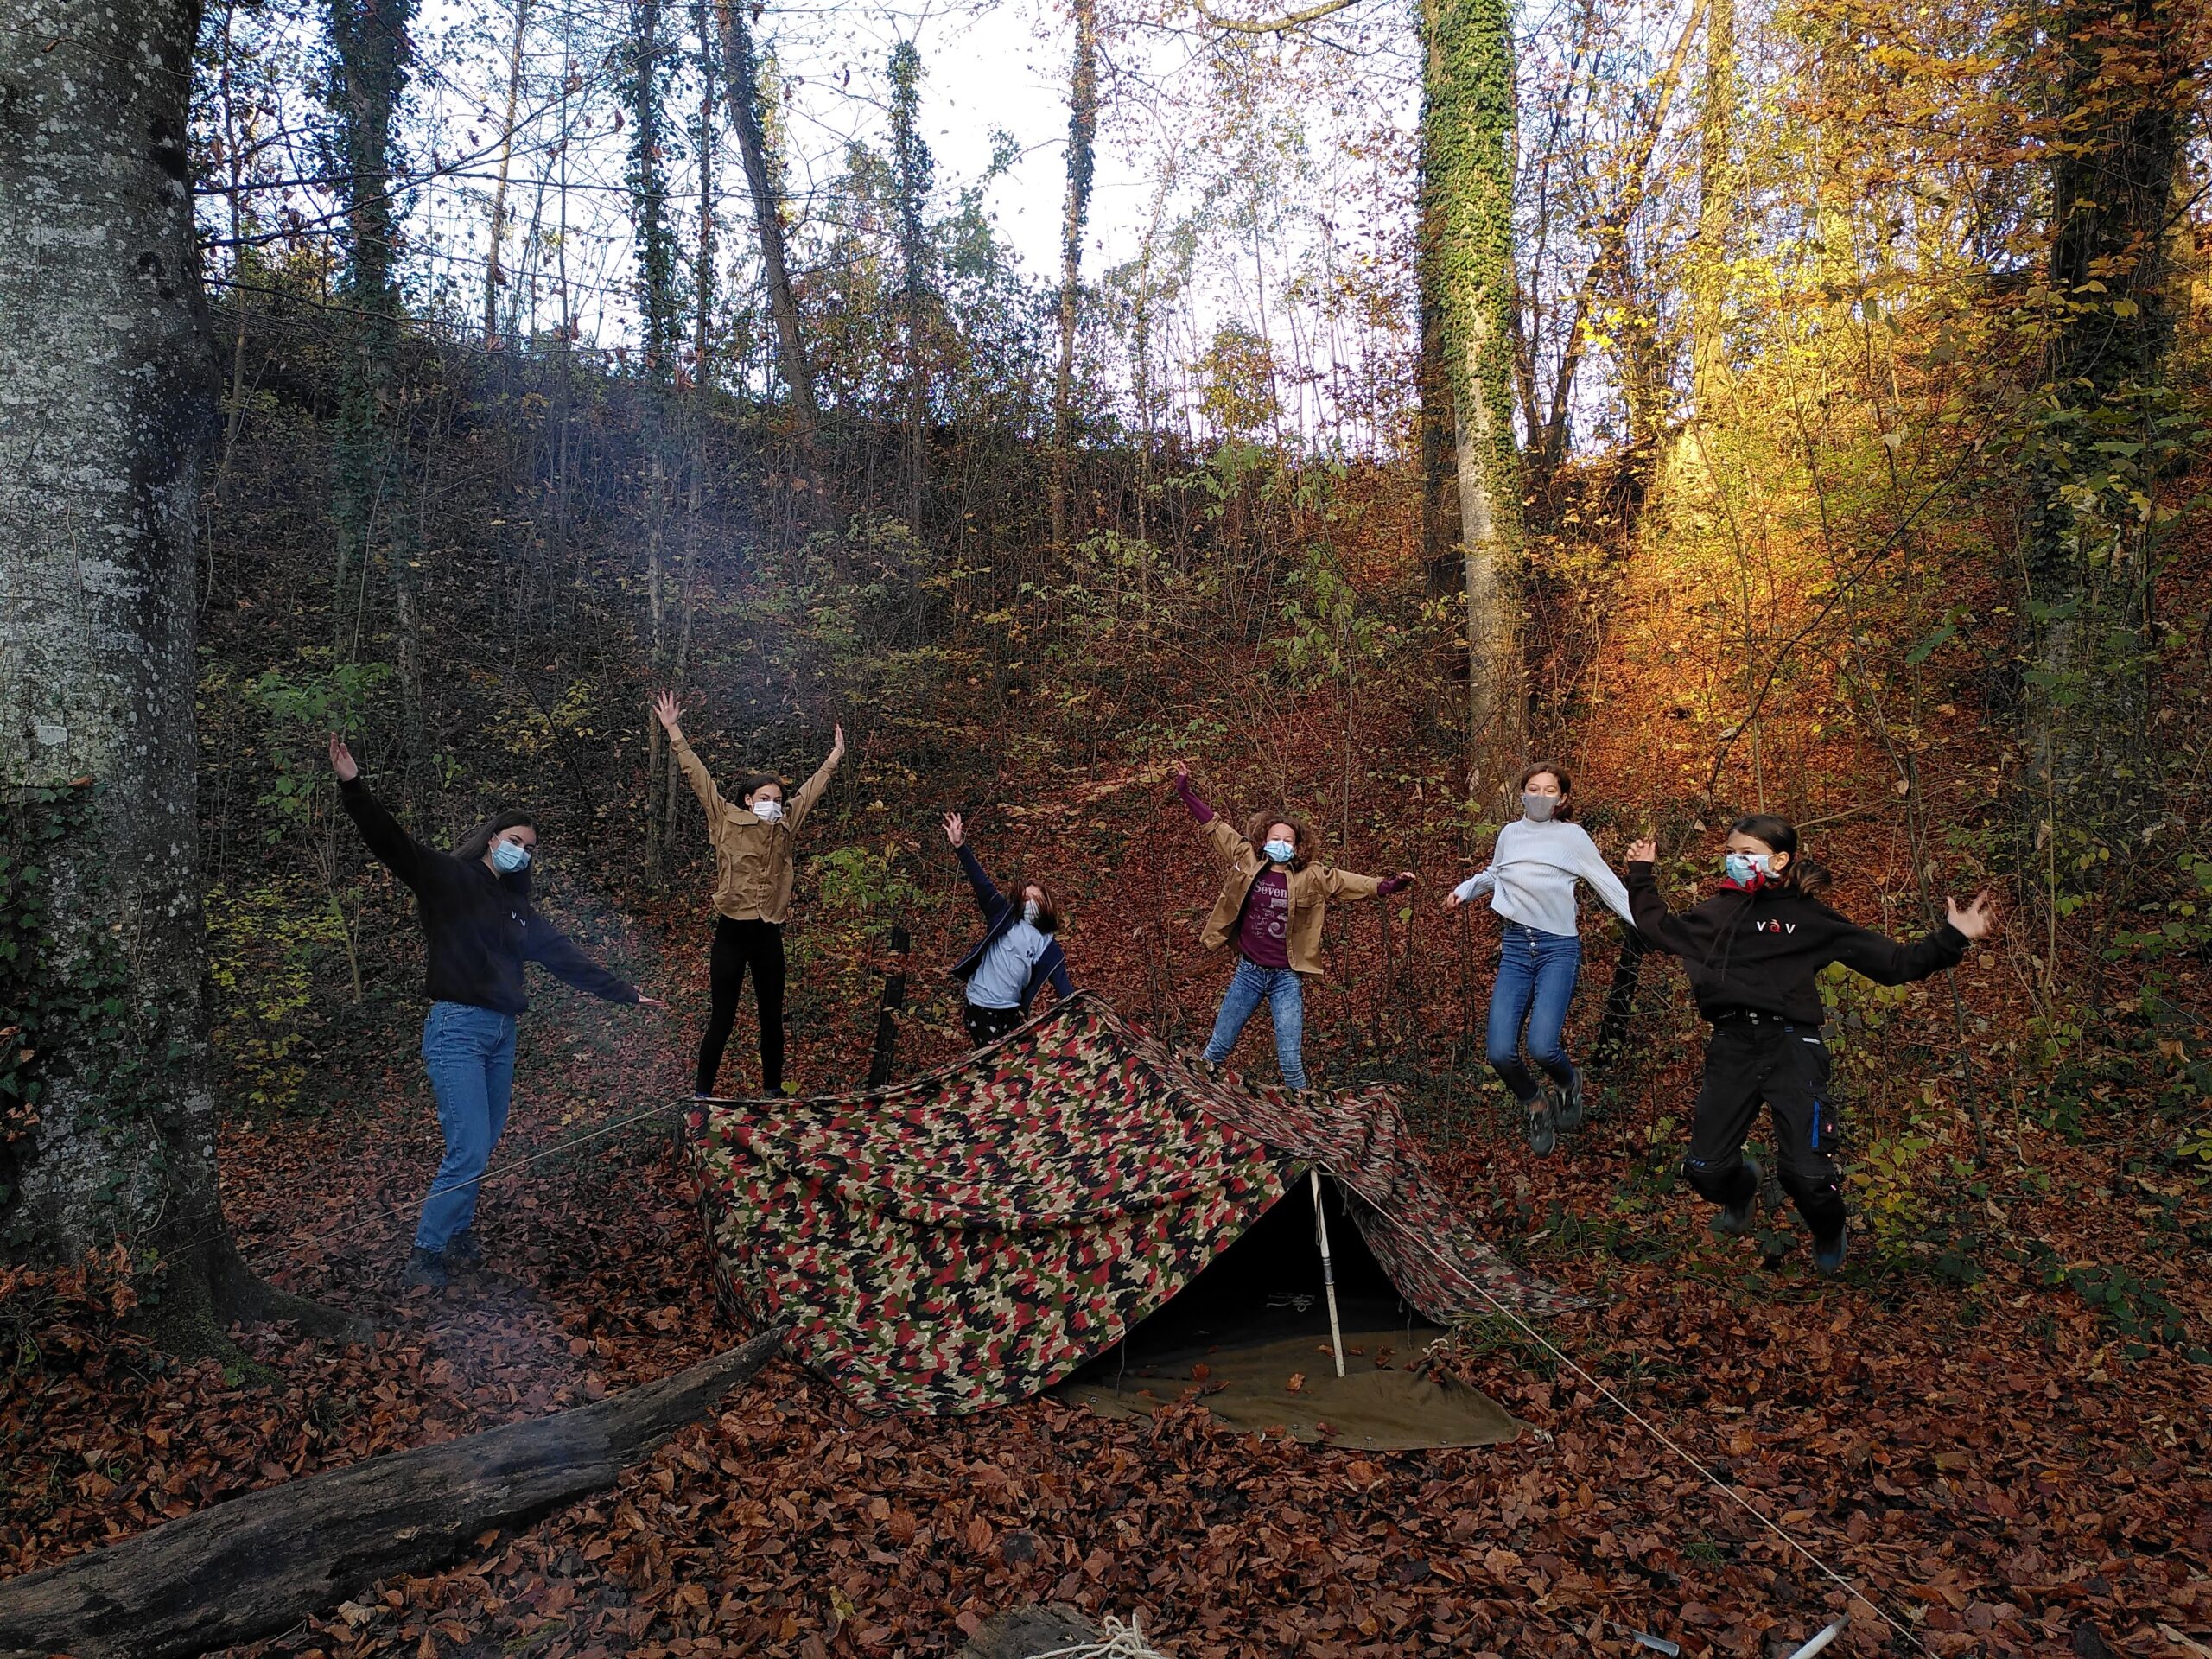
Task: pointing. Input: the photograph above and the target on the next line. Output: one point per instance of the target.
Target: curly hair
(1301, 834)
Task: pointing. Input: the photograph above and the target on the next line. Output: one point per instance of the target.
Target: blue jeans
(470, 1053)
(1536, 973)
(1278, 989)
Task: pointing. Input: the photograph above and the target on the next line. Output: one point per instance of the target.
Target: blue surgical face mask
(768, 810)
(509, 857)
(1281, 851)
(1743, 869)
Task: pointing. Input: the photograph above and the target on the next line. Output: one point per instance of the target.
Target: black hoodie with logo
(479, 928)
(1760, 950)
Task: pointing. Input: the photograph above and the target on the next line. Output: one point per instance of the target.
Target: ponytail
(1778, 832)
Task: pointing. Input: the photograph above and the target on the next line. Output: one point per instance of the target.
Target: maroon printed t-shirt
(1264, 930)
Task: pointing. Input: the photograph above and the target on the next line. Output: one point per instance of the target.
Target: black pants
(1786, 1066)
(739, 945)
(989, 1024)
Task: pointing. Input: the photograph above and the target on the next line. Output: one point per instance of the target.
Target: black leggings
(739, 945)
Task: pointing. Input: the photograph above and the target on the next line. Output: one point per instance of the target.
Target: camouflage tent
(971, 1237)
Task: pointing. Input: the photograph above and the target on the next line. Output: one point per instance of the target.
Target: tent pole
(1328, 1274)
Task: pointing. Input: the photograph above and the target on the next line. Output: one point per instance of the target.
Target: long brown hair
(1048, 904)
(1537, 768)
(1301, 834)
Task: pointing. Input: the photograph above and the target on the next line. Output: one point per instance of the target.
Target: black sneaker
(1735, 1219)
(1828, 1254)
(463, 1251)
(1544, 1131)
(1567, 1103)
(424, 1267)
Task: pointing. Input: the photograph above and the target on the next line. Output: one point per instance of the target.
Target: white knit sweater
(1532, 874)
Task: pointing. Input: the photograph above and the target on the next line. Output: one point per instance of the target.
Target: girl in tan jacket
(1272, 900)
(753, 838)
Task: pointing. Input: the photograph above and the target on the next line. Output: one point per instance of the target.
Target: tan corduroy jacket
(753, 860)
(1311, 889)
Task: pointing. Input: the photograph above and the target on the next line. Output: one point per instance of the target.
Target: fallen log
(1023, 1633)
(261, 1562)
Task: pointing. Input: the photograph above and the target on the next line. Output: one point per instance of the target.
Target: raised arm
(559, 956)
(1591, 866)
(813, 789)
(1199, 810)
(695, 770)
(1350, 884)
(1482, 881)
(1648, 912)
(1890, 961)
(398, 851)
(988, 897)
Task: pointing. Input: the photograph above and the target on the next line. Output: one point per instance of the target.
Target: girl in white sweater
(1533, 869)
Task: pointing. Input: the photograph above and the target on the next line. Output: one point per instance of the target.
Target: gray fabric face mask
(1538, 809)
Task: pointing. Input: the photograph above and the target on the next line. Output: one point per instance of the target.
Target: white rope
(1122, 1642)
(1656, 1434)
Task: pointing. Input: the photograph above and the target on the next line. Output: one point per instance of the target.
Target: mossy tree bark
(108, 405)
(741, 76)
(916, 175)
(1074, 215)
(1466, 252)
(373, 53)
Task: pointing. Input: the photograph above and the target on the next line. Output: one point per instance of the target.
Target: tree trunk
(1716, 206)
(741, 75)
(1467, 207)
(492, 276)
(1075, 214)
(916, 174)
(260, 1563)
(110, 407)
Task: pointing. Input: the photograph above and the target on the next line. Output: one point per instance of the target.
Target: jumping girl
(1017, 953)
(1273, 898)
(479, 928)
(1530, 879)
(1751, 952)
(752, 840)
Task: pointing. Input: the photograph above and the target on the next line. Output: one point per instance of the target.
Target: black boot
(1735, 1217)
(463, 1251)
(1544, 1131)
(424, 1267)
(1567, 1103)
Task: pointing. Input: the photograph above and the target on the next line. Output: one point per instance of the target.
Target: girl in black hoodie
(1752, 951)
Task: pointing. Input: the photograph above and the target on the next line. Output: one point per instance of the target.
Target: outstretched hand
(954, 831)
(1407, 878)
(837, 742)
(1451, 899)
(670, 713)
(1182, 776)
(1978, 920)
(342, 761)
(645, 1001)
(1646, 851)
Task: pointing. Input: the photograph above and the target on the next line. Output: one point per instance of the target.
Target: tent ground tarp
(1379, 1404)
(972, 1237)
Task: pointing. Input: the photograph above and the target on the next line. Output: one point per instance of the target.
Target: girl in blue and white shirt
(1537, 860)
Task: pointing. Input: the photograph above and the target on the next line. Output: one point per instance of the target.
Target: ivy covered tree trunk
(1075, 214)
(1467, 158)
(108, 405)
(916, 173)
(659, 329)
(2107, 426)
(373, 52)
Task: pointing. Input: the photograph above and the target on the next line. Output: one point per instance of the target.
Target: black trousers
(1787, 1066)
(989, 1024)
(740, 945)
